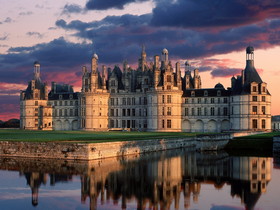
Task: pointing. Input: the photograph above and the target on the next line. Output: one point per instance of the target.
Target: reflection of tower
(250, 178)
(34, 180)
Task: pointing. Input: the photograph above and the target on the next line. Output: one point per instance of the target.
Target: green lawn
(84, 136)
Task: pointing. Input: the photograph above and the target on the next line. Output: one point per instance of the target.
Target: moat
(172, 179)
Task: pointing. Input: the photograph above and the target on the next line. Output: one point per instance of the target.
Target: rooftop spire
(37, 70)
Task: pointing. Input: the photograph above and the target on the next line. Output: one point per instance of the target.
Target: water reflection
(156, 181)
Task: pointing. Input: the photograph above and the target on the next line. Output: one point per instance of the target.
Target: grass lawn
(262, 142)
(85, 136)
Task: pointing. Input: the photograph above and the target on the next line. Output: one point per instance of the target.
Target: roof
(211, 92)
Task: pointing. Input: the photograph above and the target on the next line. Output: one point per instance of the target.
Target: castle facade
(156, 96)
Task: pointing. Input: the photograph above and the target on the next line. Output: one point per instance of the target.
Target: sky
(63, 35)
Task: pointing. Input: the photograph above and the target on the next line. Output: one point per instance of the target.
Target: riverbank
(86, 150)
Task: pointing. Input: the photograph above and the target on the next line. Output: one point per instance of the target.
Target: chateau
(156, 96)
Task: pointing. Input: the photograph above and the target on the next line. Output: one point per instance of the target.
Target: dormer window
(205, 93)
(168, 78)
(218, 93)
(192, 93)
(60, 97)
(263, 89)
(254, 88)
(113, 83)
(71, 96)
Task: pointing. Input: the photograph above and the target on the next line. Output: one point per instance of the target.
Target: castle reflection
(155, 181)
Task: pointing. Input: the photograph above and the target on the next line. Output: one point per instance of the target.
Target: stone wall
(92, 151)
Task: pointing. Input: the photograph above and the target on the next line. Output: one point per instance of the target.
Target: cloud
(35, 34)
(109, 4)
(4, 37)
(206, 14)
(72, 8)
(25, 13)
(9, 107)
(7, 20)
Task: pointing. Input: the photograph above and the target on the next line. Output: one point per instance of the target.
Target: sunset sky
(62, 35)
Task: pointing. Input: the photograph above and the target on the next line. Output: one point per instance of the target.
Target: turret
(36, 70)
(104, 77)
(94, 63)
(178, 75)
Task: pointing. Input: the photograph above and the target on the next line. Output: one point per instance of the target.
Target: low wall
(92, 151)
(88, 151)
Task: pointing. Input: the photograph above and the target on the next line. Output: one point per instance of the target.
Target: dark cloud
(72, 8)
(55, 56)
(109, 4)
(7, 20)
(35, 34)
(205, 13)
(225, 72)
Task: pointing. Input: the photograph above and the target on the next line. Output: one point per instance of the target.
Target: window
(168, 110)
(205, 100)
(205, 111)
(263, 98)
(212, 111)
(133, 112)
(113, 83)
(168, 123)
(112, 101)
(225, 100)
(128, 112)
(186, 111)
(133, 101)
(192, 93)
(163, 99)
(36, 103)
(168, 78)
(263, 124)
(218, 93)
(162, 123)
(60, 97)
(212, 100)
(168, 98)
(263, 109)
(111, 123)
(205, 93)
(254, 110)
(123, 112)
(124, 101)
(112, 113)
(219, 100)
(219, 111)
(140, 112)
(65, 112)
(254, 88)
(225, 111)
(199, 100)
(198, 111)
(168, 87)
(117, 101)
(255, 123)
(145, 101)
(128, 101)
(193, 112)
(146, 81)
(254, 98)
(163, 110)
(60, 103)
(117, 112)
(263, 89)
(71, 112)
(71, 103)
(123, 123)
(66, 103)
(186, 100)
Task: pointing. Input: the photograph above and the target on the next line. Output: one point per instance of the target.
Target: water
(174, 179)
